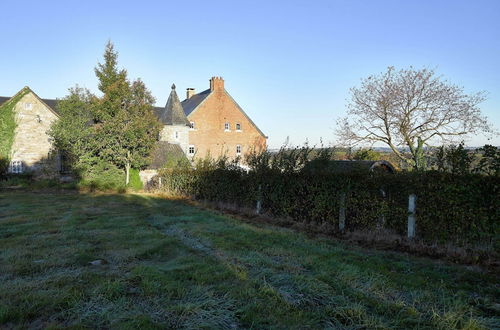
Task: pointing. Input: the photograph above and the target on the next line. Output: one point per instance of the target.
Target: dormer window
(238, 127)
(227, 127)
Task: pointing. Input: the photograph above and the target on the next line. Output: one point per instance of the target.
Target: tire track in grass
(306, 292)
(201, 306)
(354, 301)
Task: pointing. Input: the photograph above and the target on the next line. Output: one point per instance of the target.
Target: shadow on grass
(164, 263)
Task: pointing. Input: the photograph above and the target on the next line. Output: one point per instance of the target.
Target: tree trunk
(419, 156)
(127, 169)
(127, 173)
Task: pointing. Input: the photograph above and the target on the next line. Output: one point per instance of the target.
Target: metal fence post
(412, 203)
(259, 204)
(342, 212)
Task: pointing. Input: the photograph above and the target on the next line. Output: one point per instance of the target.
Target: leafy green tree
(116, 130)
(126, 126)
(489, 163)
(73, 134)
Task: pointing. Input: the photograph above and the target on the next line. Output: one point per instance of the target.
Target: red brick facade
(221, 126)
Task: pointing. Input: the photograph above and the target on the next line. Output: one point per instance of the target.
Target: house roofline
(26, 88)
(239, 107)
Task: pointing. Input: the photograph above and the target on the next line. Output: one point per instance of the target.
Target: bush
(4, 166)
(458, 209)
(103, 176)
(24, 180)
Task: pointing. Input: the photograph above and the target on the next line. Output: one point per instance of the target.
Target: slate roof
(4, 99)
(164, 151)
(173, 113)
(50, 102)
(194, 101)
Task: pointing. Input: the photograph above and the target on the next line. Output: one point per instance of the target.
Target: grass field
(169, 264)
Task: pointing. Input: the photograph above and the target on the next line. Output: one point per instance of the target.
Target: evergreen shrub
(451, 208)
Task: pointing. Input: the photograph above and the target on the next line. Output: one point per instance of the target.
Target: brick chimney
(190, 92)
(216, 83)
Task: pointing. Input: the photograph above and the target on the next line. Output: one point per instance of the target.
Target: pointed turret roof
(173, 113)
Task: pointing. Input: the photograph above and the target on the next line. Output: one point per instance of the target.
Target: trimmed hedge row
(456, 209)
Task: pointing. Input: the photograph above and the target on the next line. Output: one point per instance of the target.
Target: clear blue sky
(289, 64)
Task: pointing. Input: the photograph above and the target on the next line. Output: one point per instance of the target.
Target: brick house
(210, 122)
(218, 125)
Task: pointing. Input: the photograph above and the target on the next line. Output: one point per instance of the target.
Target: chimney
(216, 83)
(190, 92)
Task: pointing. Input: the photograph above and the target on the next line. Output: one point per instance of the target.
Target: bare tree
(410, 108)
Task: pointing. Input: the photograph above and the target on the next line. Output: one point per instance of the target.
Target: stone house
(32, 147)
(208, 123)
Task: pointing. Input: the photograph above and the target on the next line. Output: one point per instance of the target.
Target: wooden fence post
(412, 203)
(342, 212)
(259, 204)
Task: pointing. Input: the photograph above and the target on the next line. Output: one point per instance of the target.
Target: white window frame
(28, 106)
(238, 149)
(176, 135)
(191, 125)
(16, 166)
(227, 127)
(191, 150)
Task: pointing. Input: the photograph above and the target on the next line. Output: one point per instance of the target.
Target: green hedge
(135, 180)
(456, 209)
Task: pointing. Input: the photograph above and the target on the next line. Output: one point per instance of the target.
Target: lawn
(169, 264)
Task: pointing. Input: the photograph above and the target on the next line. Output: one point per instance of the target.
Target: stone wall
(146, 176)
(168, 134)
(32, 145)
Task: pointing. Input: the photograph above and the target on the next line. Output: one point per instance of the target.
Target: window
(238, 149)
(191, 150)
(28, 106)
(227, 127)
(176, 135)
(191, 125)
(16, 166)
(238, 127)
